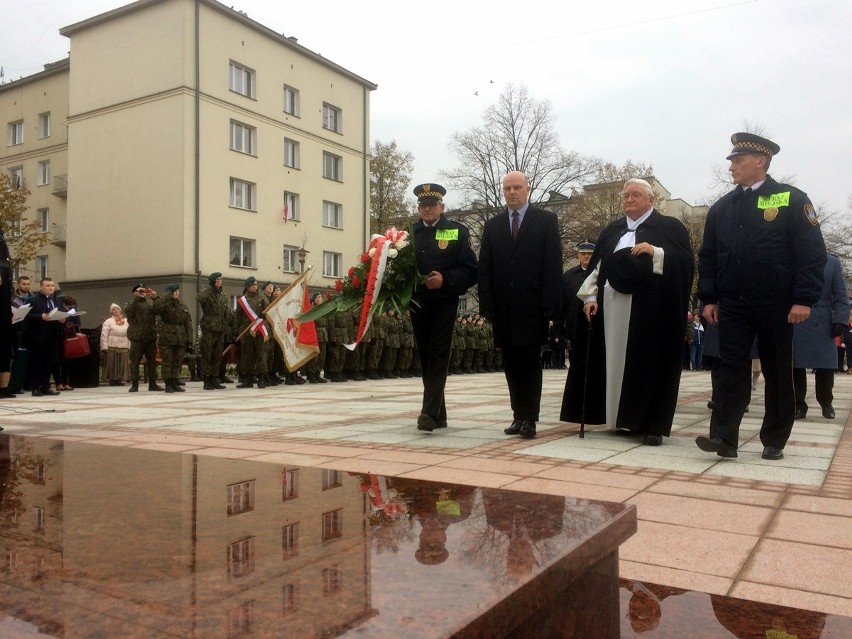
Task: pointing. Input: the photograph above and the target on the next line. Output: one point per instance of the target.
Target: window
(290, 540)
(40, 473)
(291, 484)
(41, 266)
(43, 174)
(291, 206)
(291, 100)
(243, 138)
(289, 599)
(332, 525)
(38, 519)
(291, 259)
(331, 215)
(331, 479)
(331, 264)
(242, 252)
(240, 497)
(331, 117)
(240, 557)
(330, 580)
(291, 153)
(17, 175)
(16, 132)
(44, 125)
(242, 80)
(44, 219)
(242, 194)
(331, 166)
(240, 620)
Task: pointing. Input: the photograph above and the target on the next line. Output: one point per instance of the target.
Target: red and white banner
(378, 250)
(298, 340)
(257, 323)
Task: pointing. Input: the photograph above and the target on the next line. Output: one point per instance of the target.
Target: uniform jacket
(520, 281)
(813, 341)
(38, 329)
(257, 301)
(452, 256)
(175, 321)
(763, 248)
(142, 320)
(572, 308)
(215, 313)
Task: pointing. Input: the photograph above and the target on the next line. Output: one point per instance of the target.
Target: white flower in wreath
(401, 243)
(392, 253)
(372, 252)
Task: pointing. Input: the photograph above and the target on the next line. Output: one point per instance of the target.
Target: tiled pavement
(779, 532)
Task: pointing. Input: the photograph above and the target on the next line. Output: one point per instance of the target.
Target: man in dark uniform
(575, 328)
(447, 264)
(142, 333)
(760, 269)
(214, 322)
(253, 342)
(175, 335)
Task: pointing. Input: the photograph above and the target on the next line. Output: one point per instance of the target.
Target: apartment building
(202, 141)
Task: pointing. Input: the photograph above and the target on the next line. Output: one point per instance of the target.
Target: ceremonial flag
(298, 340)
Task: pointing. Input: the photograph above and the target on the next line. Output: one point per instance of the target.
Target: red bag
(77, 346)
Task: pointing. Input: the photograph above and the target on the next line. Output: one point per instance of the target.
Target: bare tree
(24, 236)
(837, 232)
(390, 177)
(517, 133)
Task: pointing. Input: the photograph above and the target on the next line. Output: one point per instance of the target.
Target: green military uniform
(175, 335)
(314, 367)
(252, 346)
(214, 324)
(406, 346)
(338, 336)
(142, 333)
(469, 347)
(458, 347)
(375, 348)
(393, 333)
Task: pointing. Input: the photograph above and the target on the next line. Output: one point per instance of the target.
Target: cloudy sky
(663, 82)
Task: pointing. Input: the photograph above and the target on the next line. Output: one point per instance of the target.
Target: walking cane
(585, 384)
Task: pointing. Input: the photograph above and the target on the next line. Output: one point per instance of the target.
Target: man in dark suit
(448, 265)
(520, 289)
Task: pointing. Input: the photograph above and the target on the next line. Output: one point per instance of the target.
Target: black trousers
(433, 324)
(824, 382)
(522, 366)
(738, 325)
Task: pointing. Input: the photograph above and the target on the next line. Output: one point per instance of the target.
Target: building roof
(51, 68)
(238, 16)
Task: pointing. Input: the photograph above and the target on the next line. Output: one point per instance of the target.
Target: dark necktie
(514, 224)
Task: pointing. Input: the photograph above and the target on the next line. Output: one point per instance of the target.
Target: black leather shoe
(800, 414)
(715, 445)
(710, 404)
(527, 429)
(425, 422)
(653, 440)
(37, 393)
(770, 452)
(828, 411)
(514, 429)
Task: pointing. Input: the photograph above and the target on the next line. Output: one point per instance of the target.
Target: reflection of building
(216, 144)
(197, 546)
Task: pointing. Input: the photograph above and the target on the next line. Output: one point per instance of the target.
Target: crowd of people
(624, 316)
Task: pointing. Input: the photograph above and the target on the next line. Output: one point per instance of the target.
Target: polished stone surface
(103, 541)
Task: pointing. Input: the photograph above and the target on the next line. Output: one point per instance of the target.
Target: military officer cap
(137, 287)
(586, 247)
(171, 288)
(249, 281)
(213, 277)
(750, 143)
(429, 193)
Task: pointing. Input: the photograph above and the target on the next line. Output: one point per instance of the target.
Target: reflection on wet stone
(120, 542)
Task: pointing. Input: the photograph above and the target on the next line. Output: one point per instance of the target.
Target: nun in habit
(636, 297)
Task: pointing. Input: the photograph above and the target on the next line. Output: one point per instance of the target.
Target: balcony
(57, 234)
(60, 185)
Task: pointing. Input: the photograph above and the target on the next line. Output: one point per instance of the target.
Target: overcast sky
(663, 82)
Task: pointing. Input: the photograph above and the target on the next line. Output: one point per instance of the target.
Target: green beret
(249, 281)
(171, 288)
(213, 277)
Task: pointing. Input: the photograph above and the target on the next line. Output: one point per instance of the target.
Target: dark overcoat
(813, 340)
(520, 280)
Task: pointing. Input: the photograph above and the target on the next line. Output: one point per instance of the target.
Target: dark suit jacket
(520, 281)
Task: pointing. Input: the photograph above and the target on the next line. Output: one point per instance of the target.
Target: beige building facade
(202, 141)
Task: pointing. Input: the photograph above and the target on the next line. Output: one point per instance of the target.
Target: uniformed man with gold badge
(448, 268)
(760, 269)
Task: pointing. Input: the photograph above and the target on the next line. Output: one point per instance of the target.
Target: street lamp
(303, 253)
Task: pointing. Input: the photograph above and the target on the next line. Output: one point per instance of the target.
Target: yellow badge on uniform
(770, 213)
(811, 214)
(442, 244)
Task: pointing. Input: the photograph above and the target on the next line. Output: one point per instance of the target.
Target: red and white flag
(298, 340)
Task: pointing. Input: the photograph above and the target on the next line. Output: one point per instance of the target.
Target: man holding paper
(44, 338)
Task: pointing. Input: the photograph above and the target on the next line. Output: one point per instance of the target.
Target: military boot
(134, 387)
(169, 387)
(177, 385)
(261, 381)
(246, 382)
(208, 383)
(152, 386)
